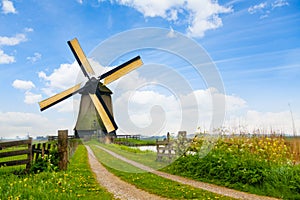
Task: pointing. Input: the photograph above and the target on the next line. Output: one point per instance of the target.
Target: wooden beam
(14, 153)
(15, 143)
(15, 162)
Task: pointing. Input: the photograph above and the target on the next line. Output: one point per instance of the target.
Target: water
(145, 148)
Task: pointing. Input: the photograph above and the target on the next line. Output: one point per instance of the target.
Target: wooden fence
(55, 137)
(12, 152)
(64, 143)
(170, 149)
(40, 150)
(165, 149)
(136, 137)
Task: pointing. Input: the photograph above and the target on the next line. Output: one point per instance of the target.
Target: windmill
(95, 96)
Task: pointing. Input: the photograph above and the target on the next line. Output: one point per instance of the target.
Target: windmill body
(95, 112)
(88, 120)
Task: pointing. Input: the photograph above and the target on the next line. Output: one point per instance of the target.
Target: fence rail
(137, 137)
(55, 137)
(11, 153)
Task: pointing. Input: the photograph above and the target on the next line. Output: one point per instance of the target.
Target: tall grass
(261, 165)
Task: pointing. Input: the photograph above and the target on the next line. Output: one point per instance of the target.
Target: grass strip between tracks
(149, 182)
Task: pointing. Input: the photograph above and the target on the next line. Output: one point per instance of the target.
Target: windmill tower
(95, 110)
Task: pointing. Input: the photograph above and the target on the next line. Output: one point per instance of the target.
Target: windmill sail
(47, 103)
(121, 70)
(81, 58)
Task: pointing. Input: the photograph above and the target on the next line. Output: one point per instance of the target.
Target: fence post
(63, 149)
(29, 156)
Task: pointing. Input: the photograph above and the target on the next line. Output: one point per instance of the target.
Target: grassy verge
(145, 157)
(259, 165)
(150, 182)
(77, 182)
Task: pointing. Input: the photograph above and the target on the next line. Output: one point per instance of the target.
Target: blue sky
(254, 44)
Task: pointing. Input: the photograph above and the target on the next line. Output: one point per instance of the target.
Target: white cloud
(200, 15)
(14, 124)
(138, 111)
(154, 8)
(12, 41)
(234, 103)
(279, 3)
(265, 8)
(172, 33)
(23, 85)
(61, 78)
(28, 30)
(70, 105)
(19, 119)
(6, 59)
(257, 8)
(36, 56)
(8, 7)
(252, 120)
(127, 82)
(31, 98)
(150, 112)
(205, 16)
(80, 1)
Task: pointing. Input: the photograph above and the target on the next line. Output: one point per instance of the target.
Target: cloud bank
(199, 16)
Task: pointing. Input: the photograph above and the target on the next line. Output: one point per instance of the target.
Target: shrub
(261, 165)
(46, 163)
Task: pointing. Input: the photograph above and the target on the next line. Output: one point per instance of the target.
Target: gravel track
(197, 184)
(120, 189)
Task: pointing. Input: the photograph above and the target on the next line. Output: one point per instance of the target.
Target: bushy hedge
(260, 165)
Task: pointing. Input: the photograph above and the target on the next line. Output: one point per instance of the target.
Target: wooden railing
(165, 149)
(4, 152)
(55, 137)
(41, 149)
(136, 137)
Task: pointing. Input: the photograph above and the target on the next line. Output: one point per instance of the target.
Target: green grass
(257, 165)
(135, 142)
(150, 182)
(77, 182)
(13, 169)
(147, 158)
(19, 157)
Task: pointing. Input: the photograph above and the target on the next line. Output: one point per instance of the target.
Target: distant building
(41, 138)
